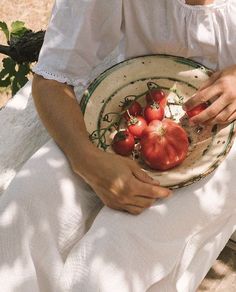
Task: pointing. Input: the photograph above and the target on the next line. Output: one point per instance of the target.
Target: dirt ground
(35, 14)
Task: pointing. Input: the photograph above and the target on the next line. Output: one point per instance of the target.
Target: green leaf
(4, 28)
(5, 82)
(9, 65)
(21, 74)
(18, 28)
(20, 78)
(14, 74)
(3, 73)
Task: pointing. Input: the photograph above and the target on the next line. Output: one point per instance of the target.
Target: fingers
(149, 191)
(202, 97)
(232, 117)
(133, 209)
(210, 112)
(138, 205)
(225, 116)
(137, 197)
(207, 91)
(210, 80)
(142, 202)
(141, 174)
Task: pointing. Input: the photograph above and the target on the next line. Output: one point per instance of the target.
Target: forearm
(62, 117)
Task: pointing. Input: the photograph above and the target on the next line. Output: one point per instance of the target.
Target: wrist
(83, 157)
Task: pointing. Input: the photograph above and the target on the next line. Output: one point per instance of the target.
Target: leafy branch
(23, 47)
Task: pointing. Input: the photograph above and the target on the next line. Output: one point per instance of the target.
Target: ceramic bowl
(180, 78)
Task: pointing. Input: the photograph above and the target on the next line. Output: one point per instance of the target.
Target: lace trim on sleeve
(62, 78)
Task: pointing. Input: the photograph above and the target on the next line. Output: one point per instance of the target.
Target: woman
(57, 234)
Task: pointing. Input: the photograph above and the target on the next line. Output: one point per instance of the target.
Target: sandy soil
(35, 14)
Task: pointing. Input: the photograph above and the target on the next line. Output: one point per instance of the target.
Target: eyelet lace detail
(76, 82)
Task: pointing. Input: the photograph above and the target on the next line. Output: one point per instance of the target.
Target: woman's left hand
(220, 89)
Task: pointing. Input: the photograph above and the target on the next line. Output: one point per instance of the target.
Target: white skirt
(56, 235)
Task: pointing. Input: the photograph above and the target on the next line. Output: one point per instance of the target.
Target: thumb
(142, 174)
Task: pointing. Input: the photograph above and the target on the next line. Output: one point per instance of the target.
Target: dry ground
(36, 14)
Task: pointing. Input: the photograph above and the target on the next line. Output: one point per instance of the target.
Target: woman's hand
(220, 89)
(120, 183)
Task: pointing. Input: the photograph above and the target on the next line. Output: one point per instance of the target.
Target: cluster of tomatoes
(162, 142)
(137, 119)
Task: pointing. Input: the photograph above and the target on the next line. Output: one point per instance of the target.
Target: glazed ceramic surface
(102, 103)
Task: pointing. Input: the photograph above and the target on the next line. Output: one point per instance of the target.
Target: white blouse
(81, 34)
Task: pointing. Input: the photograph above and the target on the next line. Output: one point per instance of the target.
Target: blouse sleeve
(79, 36)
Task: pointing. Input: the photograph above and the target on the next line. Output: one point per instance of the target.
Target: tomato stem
(99, 134)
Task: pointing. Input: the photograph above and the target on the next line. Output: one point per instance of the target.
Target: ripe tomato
(133, 109)
(196, 110)
(158, 96)
(154, 111)
(164, 144)
(136, 125)
(123, 143)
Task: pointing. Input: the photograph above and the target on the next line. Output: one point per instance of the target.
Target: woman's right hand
(120, 182)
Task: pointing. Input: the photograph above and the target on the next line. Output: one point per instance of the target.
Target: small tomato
(136, 125)
(133, 108)
(196, 110)
(123, 143)
(158, 96)
(153, 111)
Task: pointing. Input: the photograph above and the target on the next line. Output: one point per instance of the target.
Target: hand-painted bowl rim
(94, 83)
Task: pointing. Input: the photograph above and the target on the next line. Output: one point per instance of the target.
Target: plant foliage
(14, 75)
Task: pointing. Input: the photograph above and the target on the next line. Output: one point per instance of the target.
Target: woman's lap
(118, 245)
(177, 237)
(43, 212)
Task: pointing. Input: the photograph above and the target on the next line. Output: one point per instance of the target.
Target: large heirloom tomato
(164, 144)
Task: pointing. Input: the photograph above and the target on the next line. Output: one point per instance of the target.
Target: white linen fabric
(55, 234)
(81, 34)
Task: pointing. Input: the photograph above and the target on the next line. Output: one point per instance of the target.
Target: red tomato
(164, 144)
(133, 109)
(123, 143)
(154, 111)
(196, 110)
(136, 125)
(158, 96)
